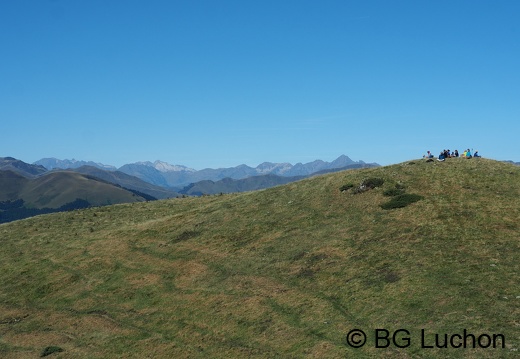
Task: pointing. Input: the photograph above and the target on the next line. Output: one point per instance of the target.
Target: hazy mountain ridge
(163, 174)
(146, 173)
(253, 183)
(514, 163)
(156, 179)
(20, 167)
(53, 163)
(162, 166)
(273, 168)
(183, 176)
(229, 185)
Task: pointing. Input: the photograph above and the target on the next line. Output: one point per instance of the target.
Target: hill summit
(288, 271)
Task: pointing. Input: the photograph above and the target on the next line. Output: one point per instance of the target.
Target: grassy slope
(10, 184)
(127, 181)
(283, 272)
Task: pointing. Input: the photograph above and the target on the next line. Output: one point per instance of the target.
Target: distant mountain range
(253, 183)
(20, 167)
(55, 189)
(28, 190)
(229, 185)
(52, 163)
(515, 163)
(51, 185)
(127, 181)
(177, 176)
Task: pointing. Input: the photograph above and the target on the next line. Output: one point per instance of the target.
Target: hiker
(468, 153)
(428, 155)
(441, 156)
(456, 153)
(476, 154)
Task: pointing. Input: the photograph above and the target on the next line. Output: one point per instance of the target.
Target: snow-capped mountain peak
(166, 167)
(275, 168)
(52, 163)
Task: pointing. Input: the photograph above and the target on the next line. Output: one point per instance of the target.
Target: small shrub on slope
(50, 350)
(393, 192)
(346, 187)
(372, 182)
(401, 201)
(369, 183)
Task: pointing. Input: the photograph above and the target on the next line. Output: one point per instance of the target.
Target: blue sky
(221, 83)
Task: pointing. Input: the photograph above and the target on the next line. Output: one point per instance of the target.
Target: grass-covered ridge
(282, 272)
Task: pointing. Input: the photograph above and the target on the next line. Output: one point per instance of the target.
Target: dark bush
(400, 185)
(370, 183)
(401, 201)
(393, 192)
(184, 236)
(50, 350)
(346, 187)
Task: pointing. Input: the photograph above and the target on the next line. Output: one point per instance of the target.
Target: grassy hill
(22, 197)
(127, 181)
(21, 168)
(57, 188)
(285, 272)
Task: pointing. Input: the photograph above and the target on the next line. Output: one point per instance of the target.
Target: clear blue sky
(221, 83)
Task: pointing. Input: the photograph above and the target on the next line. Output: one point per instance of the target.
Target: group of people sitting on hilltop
(447, 154)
